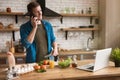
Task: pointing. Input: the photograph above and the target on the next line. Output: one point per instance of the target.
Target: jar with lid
(8, 9)
(74, 63)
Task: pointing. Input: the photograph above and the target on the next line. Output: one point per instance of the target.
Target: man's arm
(34, 22)
(31, 36)
(55, 50)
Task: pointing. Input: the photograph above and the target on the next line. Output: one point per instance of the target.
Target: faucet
(88, 40)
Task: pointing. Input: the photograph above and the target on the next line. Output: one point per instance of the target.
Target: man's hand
(35, 21)
(55, 52)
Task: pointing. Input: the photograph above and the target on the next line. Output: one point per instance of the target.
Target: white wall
(73, 42)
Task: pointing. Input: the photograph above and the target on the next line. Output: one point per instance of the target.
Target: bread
(10, 26)
(1, 25)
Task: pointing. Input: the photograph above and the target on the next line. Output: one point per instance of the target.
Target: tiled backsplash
(76, 40)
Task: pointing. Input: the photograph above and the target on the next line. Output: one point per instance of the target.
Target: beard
(39, 17)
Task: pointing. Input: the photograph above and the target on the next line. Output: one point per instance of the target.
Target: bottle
(12, 49)
(14, 72)
(11, 60)
(74, 64)
(9, 75)
(82, 11)
(89, 10)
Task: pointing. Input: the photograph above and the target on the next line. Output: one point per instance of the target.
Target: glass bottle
(74, 63)
(89, 10)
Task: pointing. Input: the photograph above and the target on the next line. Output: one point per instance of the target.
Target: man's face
(37, 12)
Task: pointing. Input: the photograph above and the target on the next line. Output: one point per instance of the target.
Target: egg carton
(25, 68)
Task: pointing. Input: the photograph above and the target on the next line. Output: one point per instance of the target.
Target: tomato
(43, 67)
(45, 62)
(37, 67)
(48, 62)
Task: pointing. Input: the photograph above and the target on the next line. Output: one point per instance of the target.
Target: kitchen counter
(109, 73)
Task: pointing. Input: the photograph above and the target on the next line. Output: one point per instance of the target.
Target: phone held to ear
(33, 15)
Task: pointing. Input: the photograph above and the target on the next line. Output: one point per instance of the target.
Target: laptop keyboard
(91, 67)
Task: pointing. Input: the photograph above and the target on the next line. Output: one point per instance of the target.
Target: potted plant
(115, 56)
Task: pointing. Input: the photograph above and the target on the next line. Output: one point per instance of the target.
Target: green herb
(41, 70)
(115, 55)
(65, 63)
(40, 63)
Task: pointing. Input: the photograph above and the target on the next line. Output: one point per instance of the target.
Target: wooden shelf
(9, 30)
(16, 14)
(11, 13)
(79, 29)
(78, 15)
(4, 55)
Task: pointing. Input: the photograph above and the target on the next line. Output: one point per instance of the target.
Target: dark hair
(32, 5)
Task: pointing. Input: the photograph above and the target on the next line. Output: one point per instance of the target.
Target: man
(37, 35)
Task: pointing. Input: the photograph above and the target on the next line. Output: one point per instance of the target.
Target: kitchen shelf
(3, 55)
(79, 29)
(16, 14)
(11, 13)
(10, 30)
(78, 15)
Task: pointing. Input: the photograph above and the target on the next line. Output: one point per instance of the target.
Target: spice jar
(74, 63)
(12, 49)
(8, 9)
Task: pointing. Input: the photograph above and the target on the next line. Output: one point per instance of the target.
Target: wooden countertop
(110, 73)
(75, 52)
(4, 55)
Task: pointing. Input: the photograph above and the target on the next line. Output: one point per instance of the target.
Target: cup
(52, 64)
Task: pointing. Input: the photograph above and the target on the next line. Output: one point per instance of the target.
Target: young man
(37, 35)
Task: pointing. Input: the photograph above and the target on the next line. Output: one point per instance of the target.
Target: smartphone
(34, 16)
(31, 14)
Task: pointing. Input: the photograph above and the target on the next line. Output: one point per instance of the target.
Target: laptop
(101, 61)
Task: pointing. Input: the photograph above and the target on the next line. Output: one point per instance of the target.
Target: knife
(55, 57)
(49, 54)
